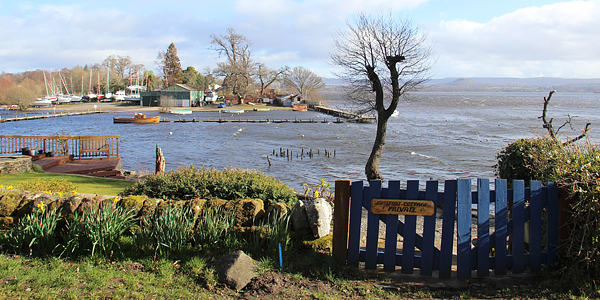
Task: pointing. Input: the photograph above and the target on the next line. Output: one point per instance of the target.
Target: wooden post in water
(160, 160)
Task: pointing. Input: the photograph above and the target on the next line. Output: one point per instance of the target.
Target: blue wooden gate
(525, 235)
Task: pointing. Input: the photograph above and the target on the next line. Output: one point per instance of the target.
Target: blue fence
(525, 233)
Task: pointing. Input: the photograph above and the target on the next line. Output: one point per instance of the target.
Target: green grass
(85, 184)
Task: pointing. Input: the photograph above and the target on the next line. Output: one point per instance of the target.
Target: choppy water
(437, 135)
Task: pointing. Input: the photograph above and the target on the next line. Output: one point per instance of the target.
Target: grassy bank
(85, 184)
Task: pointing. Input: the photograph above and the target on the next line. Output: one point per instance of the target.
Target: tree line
(239, 75)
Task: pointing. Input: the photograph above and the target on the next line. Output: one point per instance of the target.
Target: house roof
(180, 86)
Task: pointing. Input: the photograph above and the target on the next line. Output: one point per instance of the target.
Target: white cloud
(555, 40)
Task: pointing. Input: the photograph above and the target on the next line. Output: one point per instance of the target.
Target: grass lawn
(85, 184)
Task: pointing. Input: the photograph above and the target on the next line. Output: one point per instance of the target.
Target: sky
(507, 38)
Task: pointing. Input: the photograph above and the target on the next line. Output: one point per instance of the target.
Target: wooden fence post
(341, 220)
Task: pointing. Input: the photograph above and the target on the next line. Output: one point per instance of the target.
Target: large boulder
(9, 202)
(236, 270)
(319, 213)
(299, 218)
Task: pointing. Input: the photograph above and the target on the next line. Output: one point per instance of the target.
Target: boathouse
(177, 95)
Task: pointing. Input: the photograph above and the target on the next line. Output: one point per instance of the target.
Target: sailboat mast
(46, 84)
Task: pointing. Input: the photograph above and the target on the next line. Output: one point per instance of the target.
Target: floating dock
(48, 115)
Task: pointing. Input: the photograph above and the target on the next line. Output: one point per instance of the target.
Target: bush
(529, 159)
(204, 183)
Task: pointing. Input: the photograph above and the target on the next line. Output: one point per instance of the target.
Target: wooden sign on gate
(402, 207)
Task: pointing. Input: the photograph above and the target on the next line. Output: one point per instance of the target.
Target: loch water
(435, 136)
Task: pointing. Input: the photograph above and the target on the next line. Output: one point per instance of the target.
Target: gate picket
(428, 246)
(501, 231)
(448, 229)
(372, 226)
(518, 228)
(535, 227)
(483, 227)
(391, 230)
(354, 230)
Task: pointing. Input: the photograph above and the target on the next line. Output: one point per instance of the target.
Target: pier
(48, 115)
(240, 120)
(349, 116)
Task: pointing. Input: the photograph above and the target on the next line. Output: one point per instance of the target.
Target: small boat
(181, 112)
(138, 118)
(119, 95)
(261, 109)
(300, 108)
(233, 111)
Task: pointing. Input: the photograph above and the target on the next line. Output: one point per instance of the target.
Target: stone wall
(15, 164)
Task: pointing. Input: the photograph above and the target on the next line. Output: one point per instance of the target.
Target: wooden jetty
(349, 116)
(48, 115)
(85, 155)
(240, 120)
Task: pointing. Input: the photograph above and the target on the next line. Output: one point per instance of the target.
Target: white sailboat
(91, 95)
(108, 95)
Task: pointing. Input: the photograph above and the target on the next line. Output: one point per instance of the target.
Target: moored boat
(181, 112)
(233, 111)
(261, 109)
(138, 118)
(300, 108)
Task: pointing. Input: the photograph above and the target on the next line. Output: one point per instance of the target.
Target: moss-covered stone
(247, 211)
(70, 205)
(9, 202)
(323, 243)
(6, 223)
(277, 210)
(134, 203)
(88, 205)
(149, 207)
(196, 205)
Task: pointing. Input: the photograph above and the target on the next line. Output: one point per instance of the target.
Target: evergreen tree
(171, 66)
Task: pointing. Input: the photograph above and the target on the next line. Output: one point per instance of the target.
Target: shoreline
(120, 107)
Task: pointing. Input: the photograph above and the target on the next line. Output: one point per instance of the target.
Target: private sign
(402, 207)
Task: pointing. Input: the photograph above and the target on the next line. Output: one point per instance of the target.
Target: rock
(149, 207)
(247, 211)
(133, 203)
(6, 223)
(299, 219)
(71, 204)
(319, 213)
(9, 201)
(236, 270)
(277, 210)
(196, 205)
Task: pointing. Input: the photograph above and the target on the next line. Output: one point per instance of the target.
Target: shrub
(50, 185)
(529, 159)
(204, 183)
(579, 175)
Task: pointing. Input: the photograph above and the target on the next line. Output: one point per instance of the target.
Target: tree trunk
(372, 166)
(160, 161)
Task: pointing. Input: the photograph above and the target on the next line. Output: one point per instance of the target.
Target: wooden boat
(261, 109)
(300, 108)
(138, 119)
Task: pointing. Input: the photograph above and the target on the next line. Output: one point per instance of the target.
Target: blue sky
(510, 38)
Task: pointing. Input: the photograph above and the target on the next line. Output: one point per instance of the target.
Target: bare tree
(554, 132)
(382, 58)
(239, 67)
(303, 81)
(266, 76)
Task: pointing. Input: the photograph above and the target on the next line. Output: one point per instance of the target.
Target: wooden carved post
(341, 219)
(160, 160)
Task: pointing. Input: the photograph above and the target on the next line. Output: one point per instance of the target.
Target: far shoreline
(121, 107)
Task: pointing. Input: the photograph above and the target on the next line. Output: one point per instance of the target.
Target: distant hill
(504, 84)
